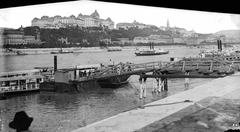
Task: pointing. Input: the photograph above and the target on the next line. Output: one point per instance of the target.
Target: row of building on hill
(175, 40)
(57, 21)
(161, 39)
(182, 31)
(13, 37)
(135, 24)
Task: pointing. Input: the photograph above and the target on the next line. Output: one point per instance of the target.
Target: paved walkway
(209, 107)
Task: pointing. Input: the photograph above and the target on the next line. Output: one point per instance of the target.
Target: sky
(199, 21)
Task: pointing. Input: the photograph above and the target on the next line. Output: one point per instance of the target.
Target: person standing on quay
(186, 79)
(143, 92)
(155, 86)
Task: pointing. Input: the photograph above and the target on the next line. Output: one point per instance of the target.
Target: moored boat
(70, 80)
(20, 82)
(21, 53)
(151, 52)
(61, 52)
(114, 49)
(79, 79)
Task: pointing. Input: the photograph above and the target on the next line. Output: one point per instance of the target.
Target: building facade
(15, 37)
(135, 24)
(57, 21)
(177, 40)
(64, 40)
(140, 40)
(124, 25)
(107, 23)
(160, 39)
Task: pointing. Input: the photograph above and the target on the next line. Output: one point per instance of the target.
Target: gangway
(199, 67)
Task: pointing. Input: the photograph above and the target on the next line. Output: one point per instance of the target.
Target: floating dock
(138, 118)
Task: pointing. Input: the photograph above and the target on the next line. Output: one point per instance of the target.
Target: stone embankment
(213, 106)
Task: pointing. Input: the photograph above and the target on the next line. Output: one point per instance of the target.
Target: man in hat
(21, 122)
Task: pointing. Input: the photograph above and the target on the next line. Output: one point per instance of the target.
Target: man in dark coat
(21, 122)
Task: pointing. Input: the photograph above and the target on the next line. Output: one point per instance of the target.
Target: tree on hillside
(31, 30)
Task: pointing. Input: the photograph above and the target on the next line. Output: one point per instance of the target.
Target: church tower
(21, 29)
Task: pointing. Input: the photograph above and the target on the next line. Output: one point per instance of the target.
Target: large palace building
(57, 21)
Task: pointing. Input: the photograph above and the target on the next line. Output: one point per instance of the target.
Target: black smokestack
(219, 45)
(220, 42)
(55, 63)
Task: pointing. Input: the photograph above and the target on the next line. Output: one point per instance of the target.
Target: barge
(80, 79)
(114, 82)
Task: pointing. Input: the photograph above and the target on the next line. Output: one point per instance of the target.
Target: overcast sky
(201, 22)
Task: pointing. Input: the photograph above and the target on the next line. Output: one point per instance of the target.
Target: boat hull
(147, 54)
(114, 82)
(6, 94)
(75, 87)
(61, 52)
(22, 54)
(113, 50)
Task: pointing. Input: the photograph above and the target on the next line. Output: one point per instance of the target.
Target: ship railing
(129, 67)
(4, 89)
(206, 62)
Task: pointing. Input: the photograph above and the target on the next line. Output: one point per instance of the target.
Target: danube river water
(63, 113)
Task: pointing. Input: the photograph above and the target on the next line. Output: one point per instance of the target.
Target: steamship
(151, 51)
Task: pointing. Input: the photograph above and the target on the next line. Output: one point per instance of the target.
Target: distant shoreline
(75, 50)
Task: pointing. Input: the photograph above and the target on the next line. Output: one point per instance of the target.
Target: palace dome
(95, 14)
(72, 16)
(109, 19)
(80, 15)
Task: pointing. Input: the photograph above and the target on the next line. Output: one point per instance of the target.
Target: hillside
(91, 35)
(229, 33)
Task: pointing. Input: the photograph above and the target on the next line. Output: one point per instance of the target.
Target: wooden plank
(182, 76)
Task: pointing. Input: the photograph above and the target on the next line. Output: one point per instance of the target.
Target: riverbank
(74, 49)
(182, 108)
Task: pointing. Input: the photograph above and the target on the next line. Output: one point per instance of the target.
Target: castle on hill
(58, 21)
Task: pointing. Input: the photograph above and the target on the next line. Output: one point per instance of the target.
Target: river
(62, 113)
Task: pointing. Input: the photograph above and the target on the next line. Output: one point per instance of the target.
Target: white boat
(61, 52)
(111, 49)
(20, 81)
(151, 52)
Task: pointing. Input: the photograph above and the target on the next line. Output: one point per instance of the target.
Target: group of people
(159, 87)
(158, 84)
(118, 69)
(85, 73)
